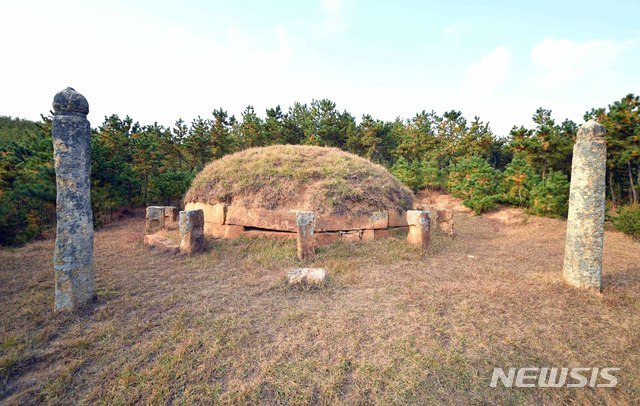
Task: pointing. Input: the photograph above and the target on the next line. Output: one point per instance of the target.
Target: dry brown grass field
(392, 326)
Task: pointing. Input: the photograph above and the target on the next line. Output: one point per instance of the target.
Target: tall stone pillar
(73, 254)
(305, 223)
(585, 224)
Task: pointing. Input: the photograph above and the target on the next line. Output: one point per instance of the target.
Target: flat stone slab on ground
(312, 276)
(161, 243)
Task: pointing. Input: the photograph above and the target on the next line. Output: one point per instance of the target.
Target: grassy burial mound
(260, 188)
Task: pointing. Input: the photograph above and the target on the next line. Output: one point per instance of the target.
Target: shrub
(432, 176)
(475, 181)
(406, 173)
(550, 197)
(628, 220)
(171, 185)
(518, 181)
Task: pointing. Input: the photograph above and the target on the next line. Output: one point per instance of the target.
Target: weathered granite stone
(73, 254)
(351, 236)
(375, 234)
(213, 213)
(322, 239)
(191, 226)
(305, 223)
(419, 228)
(161, 242)
(585, 223)
(441, 219)
(310, 276)
(276, 220)
(397, 218)
(361, 221)
(222, 230)
(170, 214)
(154, 219)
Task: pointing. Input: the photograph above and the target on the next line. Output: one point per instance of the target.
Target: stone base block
(311, 276)
(170, 214)
(213, 213)
(397, 218)
(375, 220)
(375, 234)
(223, 230)
(162, 243)
(446, 228)
(326, 238)
(279, 220)
(351, 236)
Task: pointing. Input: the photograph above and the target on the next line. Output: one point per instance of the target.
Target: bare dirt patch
(440, 200)
(390, 326)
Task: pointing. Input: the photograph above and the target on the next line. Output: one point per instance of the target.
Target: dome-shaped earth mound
(294, 177)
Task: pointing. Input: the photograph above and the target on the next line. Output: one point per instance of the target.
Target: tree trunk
(611, 191)
(632, 187)
(638, 176)
(146, 182)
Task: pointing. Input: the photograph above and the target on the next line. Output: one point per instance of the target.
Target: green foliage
(433, 178)
(418, 174)
(476, 181)
(403, 171)
(550, 197)
(171, 185)
(622, 122)
(27, 180)
(137, 165)
(406, 173)
(546, 147)
(628, 220)
(518, 181)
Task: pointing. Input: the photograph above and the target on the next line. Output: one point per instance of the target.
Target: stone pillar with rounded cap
(73, 253)
(305, 223)
(585, 223)
(419, 228)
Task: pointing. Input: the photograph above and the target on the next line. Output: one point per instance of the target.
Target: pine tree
(476, 181)
(518, 180)
(550, 197)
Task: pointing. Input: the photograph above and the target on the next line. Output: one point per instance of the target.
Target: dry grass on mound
(391, 327)
(324, 180)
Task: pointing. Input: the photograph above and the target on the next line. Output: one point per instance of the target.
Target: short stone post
(154, 219)
(585, 223)
(419, 228)
(170, 214)
(191, 224)
(306, 223)
(73, 254)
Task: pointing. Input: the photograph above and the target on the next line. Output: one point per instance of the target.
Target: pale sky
(161, 60)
